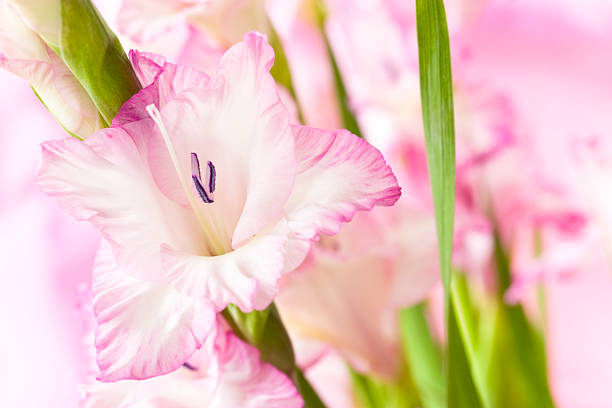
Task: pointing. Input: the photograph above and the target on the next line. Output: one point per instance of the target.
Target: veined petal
(247, 277)
(247, 137)
(144, 329)
(338, 174)
(238, 379)
(105, 180)
(343, 301)
(264, 130)
(249, 383)
(162, 82)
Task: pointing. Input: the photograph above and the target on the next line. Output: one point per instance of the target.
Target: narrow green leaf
(438, 122)
(348, 118)
(374, 393)
(280, 70)
(423, 356)
(461, 387)
(517, 371)
(464, 366)
(310, 397)
(95, 57)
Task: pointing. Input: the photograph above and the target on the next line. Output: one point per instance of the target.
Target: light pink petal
(254, 156)
(249, 383)
(338, 175)
(144, 329)
(146, 20)
(344, 302)
(244, 72)
(200, 51)
(104, 180)
(147, 66)
(225, 373)
(162, 82)
(247, 277)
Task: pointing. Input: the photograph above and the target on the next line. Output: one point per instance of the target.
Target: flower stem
(265, 330)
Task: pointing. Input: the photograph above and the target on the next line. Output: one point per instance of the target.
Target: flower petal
(144, 329)
(225, 373)
(343, 301)
(254, 155)
(249, 383)
(105, 180)
(245, 74)
(247, 277)
(338, 174)
(146, 20)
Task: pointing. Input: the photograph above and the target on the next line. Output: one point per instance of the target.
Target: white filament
(214, 246)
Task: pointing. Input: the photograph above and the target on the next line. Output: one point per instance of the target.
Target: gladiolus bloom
(175, 258)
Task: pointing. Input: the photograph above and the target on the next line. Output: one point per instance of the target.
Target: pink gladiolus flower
(347, 293)
(225, 373)
(207, 196)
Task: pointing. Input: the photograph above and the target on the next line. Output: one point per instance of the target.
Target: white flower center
(211, 230)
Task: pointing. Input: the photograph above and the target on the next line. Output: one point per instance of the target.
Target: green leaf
(437, 105)
(95, 57)
(517, 371)
(467, 383)
(310, 397)
(280, 70)
(423, 356)
(264, 330)
(438, 122)
(374, 393)
(348, 118)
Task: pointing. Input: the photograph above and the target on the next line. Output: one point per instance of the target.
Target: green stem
(265, 330)
(423, 356)
(280, 70)
(348, 118)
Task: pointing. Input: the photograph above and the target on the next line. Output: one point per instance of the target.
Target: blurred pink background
(552, 59)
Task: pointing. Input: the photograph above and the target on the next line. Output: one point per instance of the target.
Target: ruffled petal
(144, 329)
(104, 180)
(254, 156)
(247, 277)
(225, 373)
(338, 174)
(263, 132)
(249, 383)
(162, 82)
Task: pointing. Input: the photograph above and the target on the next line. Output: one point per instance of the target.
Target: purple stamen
(211, 176)
(196, 176)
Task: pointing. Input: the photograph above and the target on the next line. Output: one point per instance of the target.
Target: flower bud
(44, 17)
(25, 54)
